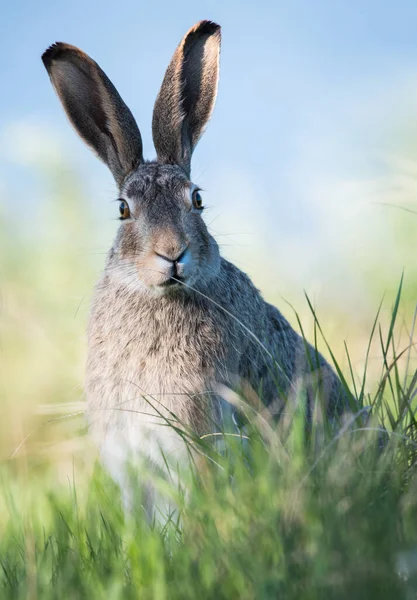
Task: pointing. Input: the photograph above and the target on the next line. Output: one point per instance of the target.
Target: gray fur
(165, 331)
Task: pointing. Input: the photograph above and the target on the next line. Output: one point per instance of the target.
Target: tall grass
(275, 513)
(278, 514)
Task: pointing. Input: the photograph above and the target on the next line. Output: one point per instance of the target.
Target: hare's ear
(186, 99)
(95, 108)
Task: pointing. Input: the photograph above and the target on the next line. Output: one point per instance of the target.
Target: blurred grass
(330, 521)
(42, 278)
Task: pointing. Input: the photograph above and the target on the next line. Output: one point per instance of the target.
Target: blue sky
(315, 99)
(281, 60)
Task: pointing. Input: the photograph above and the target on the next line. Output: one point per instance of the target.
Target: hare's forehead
(153, 179)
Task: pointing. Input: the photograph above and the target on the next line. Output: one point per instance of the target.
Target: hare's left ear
(186, 99)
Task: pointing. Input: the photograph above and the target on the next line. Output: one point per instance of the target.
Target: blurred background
(309, 171)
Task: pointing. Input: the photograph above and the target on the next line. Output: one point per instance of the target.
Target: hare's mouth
(176, 281)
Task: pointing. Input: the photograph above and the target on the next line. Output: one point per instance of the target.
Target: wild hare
(171, 319)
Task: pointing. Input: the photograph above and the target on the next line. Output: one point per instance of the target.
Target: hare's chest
(163, 351)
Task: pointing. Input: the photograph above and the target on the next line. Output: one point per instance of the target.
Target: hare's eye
(124, 209)
(197, 199)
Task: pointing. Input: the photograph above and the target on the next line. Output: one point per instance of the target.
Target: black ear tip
(53, 52)
(207, 27)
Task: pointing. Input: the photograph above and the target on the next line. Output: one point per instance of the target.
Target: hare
(171, 319)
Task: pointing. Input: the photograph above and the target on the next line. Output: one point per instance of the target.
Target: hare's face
(163, 243)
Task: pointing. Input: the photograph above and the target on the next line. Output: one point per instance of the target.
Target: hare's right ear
(186, 99)
(95, 108)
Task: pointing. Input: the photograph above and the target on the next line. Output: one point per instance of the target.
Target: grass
(278, 515)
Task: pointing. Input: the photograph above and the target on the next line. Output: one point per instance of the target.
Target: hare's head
(163, 242)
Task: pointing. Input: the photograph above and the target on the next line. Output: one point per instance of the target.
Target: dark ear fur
(95, 108)
(186, 99)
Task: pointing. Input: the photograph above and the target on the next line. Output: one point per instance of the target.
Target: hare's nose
(180, 258)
